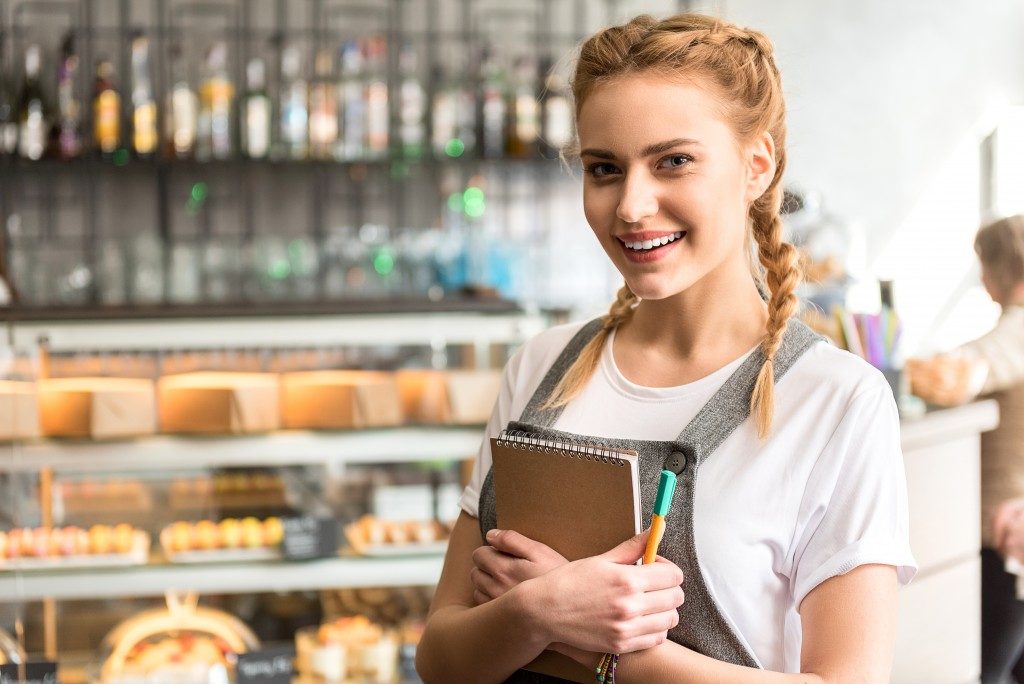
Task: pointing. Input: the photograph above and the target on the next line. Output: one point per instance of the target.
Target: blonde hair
(739, 64)
(1000, 247)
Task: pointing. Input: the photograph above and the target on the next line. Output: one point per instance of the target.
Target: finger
(629, 551)
(515, 544)
(485, 584)
(653, 624)
(480, 598)
(491, 561)
(664, 600)
(657, 576)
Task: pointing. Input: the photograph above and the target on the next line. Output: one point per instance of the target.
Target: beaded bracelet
(606, 668)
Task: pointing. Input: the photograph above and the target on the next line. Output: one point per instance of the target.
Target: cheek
(599, 210)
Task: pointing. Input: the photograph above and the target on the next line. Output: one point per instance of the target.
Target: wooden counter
(939, 636)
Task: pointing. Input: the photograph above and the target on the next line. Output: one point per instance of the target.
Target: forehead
(630, 112)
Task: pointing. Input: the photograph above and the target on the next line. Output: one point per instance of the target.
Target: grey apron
(702, 626)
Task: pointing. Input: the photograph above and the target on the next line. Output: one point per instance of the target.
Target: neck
(723, 313)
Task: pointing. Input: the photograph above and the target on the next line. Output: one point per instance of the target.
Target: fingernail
(492, 535)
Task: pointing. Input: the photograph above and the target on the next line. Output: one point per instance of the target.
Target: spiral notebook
(580, 499)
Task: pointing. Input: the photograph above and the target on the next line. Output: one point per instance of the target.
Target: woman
(798, 515)
(993, 365)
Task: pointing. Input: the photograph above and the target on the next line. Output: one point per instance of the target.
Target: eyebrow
(650, 150)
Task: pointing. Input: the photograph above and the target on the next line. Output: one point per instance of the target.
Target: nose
(638, 199)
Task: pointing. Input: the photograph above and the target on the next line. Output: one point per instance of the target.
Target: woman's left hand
(510, 560)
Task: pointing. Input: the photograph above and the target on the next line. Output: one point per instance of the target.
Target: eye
(600, 169)
(675, 161)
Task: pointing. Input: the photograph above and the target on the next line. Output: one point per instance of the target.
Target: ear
(760, 166)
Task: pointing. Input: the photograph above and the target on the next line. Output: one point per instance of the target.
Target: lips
(649, 246)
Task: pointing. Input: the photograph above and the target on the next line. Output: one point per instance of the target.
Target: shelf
(302, 327)
(285, 448)
(221, 578)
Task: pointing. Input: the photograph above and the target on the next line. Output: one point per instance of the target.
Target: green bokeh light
(279, 269)
(383, 262)
(455, 201)
(475, 209)
(120, 156)
(455, 148)
(473, 195)
(199, 192)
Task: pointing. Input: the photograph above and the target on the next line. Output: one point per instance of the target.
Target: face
(666, 184)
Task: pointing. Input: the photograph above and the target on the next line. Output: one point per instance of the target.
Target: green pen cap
(666, 488)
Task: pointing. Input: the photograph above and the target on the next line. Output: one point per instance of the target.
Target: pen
(662, 502)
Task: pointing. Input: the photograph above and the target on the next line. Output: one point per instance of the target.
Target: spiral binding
(572, 448)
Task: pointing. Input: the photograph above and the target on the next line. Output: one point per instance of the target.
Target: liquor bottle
(182, 110)
(256, 110)
(353, 102)
(294, 103)
(557, 112)
(376, 97)
(215, 98)
(69, 139)
(8, 113)
(106, 110)
(144, 126)
(411, 105)
(323, 107)
(33, 112)
(453, 133)
(524, 123)
(493, 112)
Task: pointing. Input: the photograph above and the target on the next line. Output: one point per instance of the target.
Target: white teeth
(656, 242)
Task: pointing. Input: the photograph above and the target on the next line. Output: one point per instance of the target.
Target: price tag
(40, 672)
(268, 666)
(308, 537)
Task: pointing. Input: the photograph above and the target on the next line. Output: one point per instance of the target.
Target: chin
(653, 291)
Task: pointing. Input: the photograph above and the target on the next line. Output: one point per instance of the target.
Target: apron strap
(730, 406)
(534, 413)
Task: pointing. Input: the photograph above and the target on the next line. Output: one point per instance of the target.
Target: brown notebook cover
(579, 500)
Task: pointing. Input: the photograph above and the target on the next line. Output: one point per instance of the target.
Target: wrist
(527, 600)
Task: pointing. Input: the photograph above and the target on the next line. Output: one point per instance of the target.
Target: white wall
(888, 102)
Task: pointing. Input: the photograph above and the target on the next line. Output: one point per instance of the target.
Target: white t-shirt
(825, 492)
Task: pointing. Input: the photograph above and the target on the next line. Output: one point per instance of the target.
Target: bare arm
(463, 641)
(849, 631)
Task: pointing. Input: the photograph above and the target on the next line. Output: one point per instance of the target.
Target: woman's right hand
(606, 603)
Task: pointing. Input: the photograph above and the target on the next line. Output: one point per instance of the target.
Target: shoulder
(826, 376)
(531, 362)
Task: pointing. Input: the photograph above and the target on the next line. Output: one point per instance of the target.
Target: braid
(585, 364)
(782, 275)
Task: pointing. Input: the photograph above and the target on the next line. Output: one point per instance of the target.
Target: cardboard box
(453, 397)
(19, 410)
(340, 399)
(97, 408)
(219, 403)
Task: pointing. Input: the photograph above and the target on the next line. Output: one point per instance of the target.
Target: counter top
(942, 424)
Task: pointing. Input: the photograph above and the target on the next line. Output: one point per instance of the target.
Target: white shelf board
(222, 578)
(276, 332)
(290, 447)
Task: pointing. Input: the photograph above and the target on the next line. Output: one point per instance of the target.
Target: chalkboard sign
(268, 666)
(41, 672)
(308, 537)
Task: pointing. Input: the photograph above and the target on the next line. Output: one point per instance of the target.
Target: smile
(648, 245)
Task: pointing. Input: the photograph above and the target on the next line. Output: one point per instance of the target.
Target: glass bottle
(106, 110)
(69, 138)
(376, 97)
(256, 127)
(8, 111)
(144, 126)
(353, 102)
(33, 112)
(411, 104)
(524, 116)
(493, 112)
(323, 107)
(182, 109)
(557, 111)
(215, 98)
(294, 103)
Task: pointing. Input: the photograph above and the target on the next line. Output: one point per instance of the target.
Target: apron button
(676, 462)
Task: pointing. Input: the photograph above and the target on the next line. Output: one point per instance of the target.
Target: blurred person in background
(993, 365)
